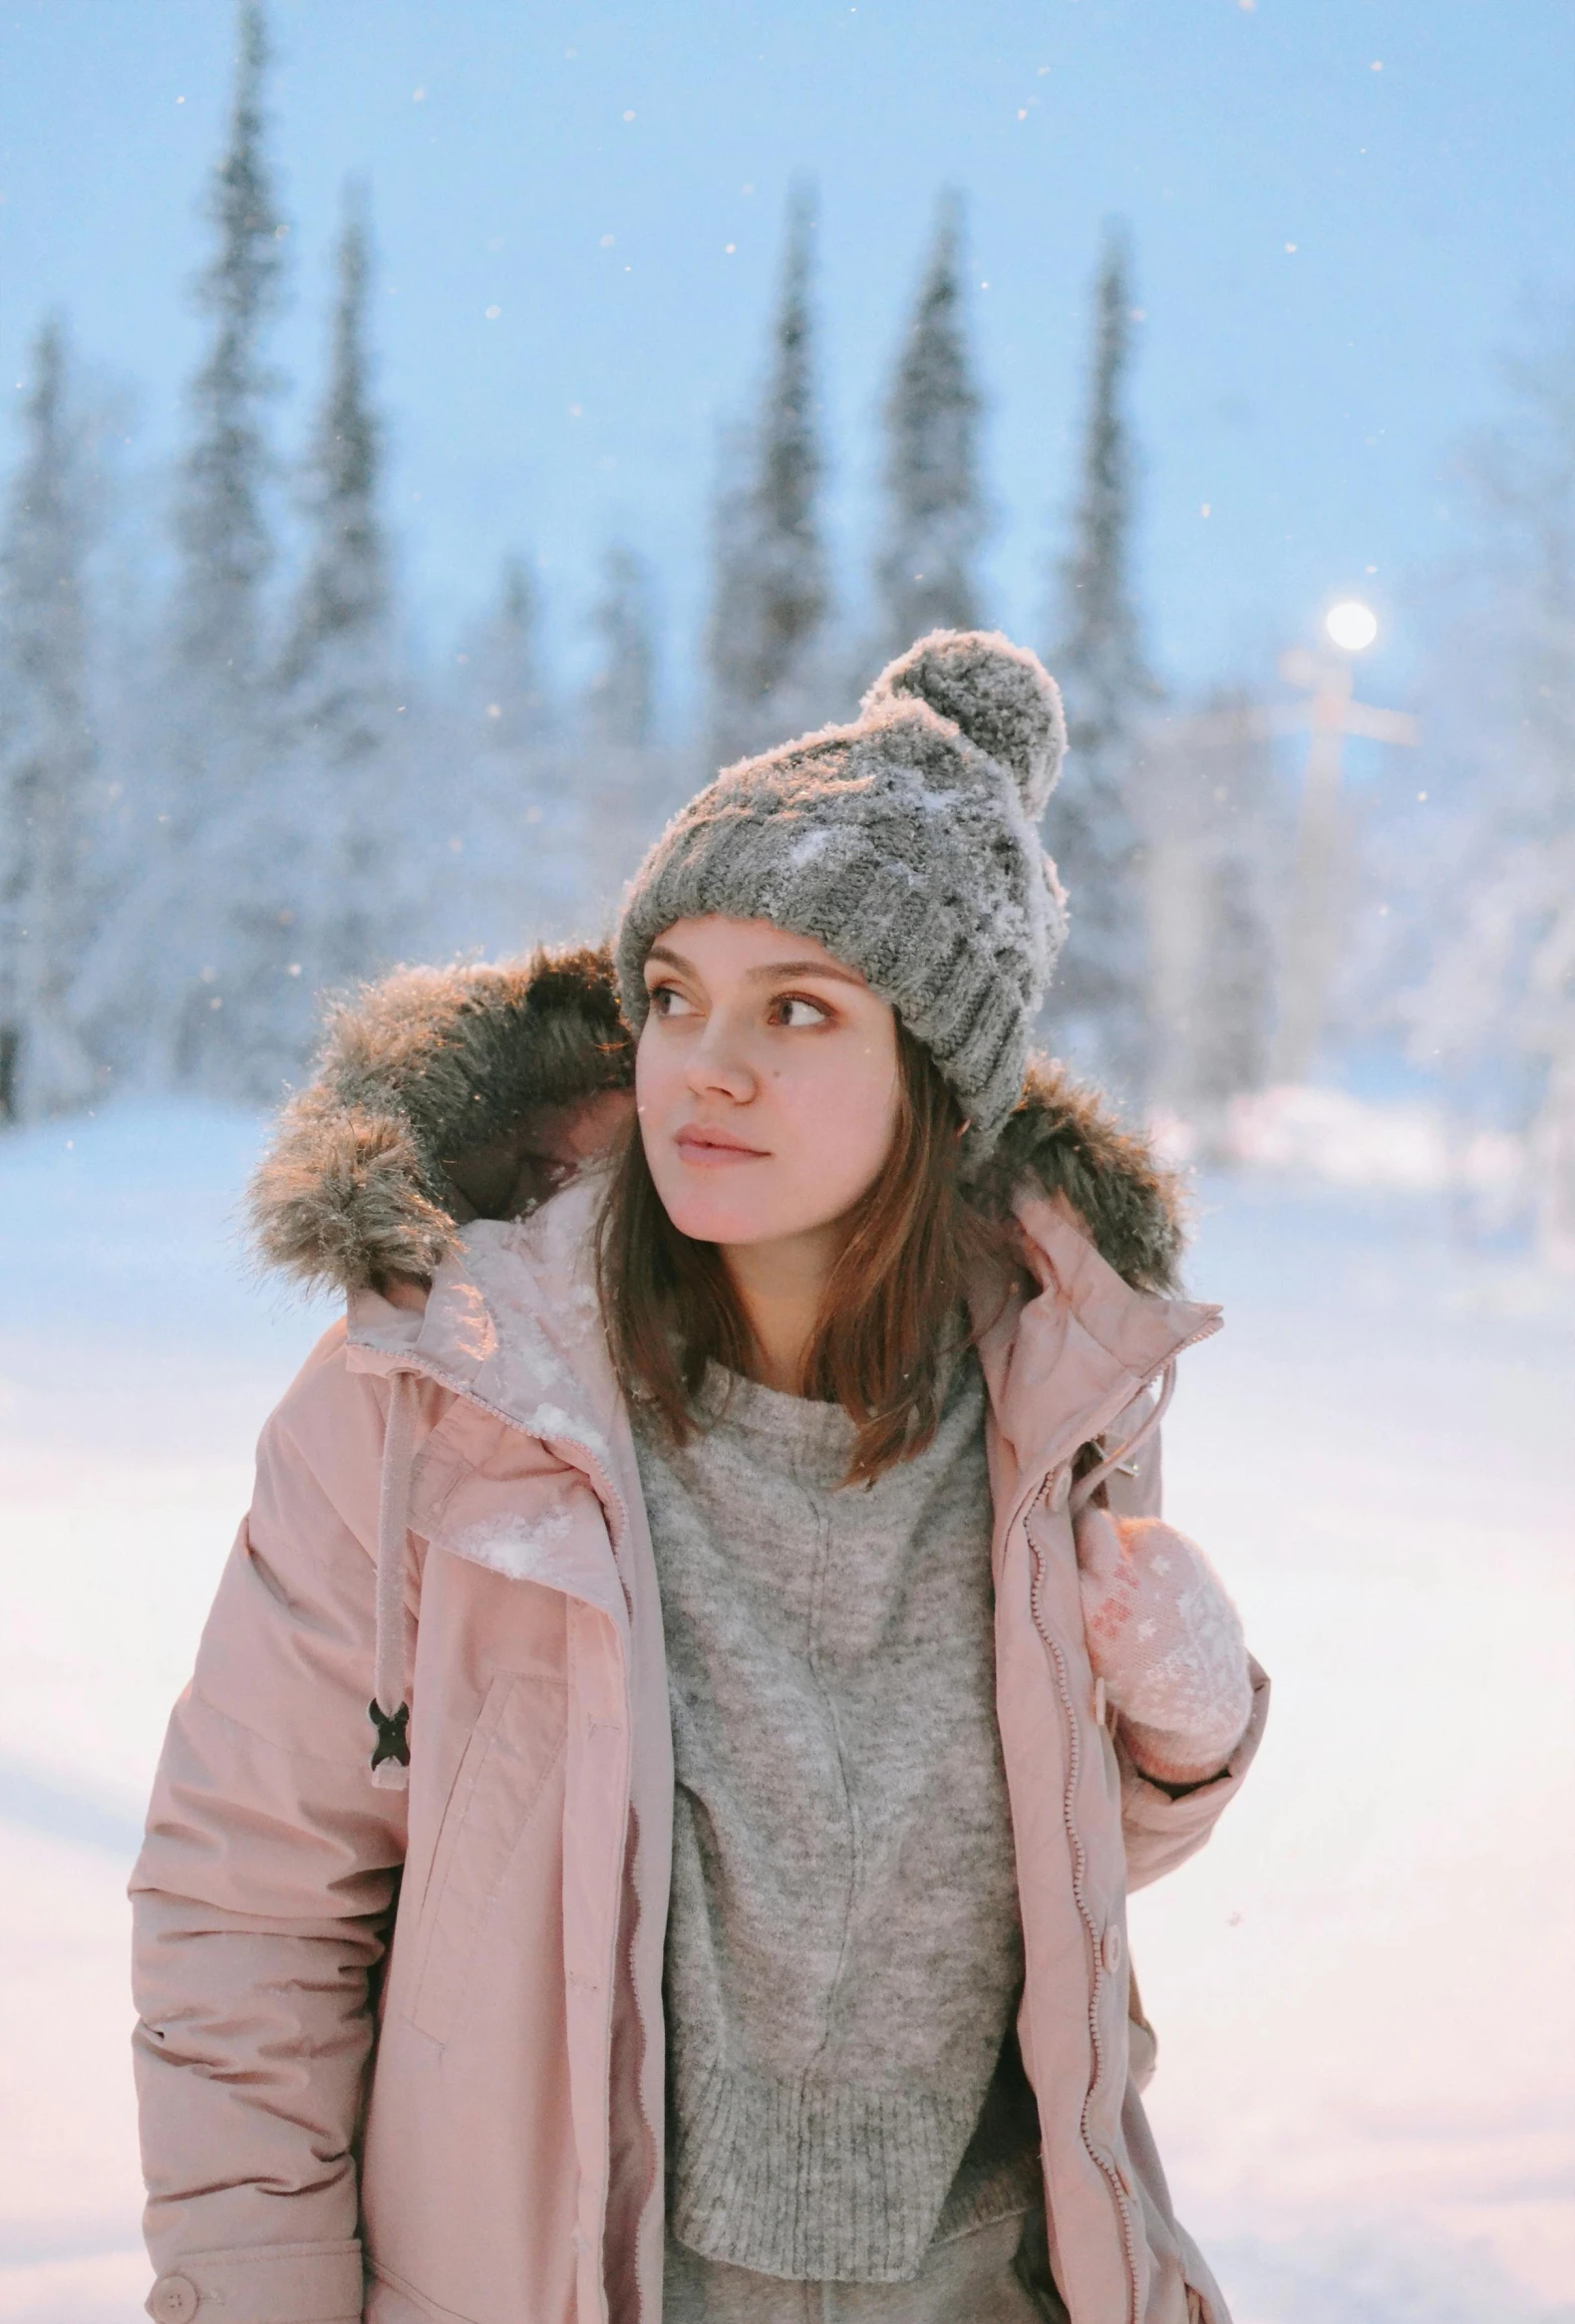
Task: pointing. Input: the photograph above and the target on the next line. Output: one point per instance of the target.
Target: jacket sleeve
(1162, 1830)
(262, 1896)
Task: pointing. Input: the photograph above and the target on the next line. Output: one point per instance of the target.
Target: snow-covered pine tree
(936, 522)
(345, 863)
(620, 701)
(772, 590)
(626, 784)
(1238, 851)
(1492, 877)
(46, 750)
(1214, 847)
(221, 523)
(504, 685)
(511, 815)
(1098, 1013)
(161, 959)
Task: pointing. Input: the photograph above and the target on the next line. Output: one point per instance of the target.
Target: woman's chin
(713, 1206)
(707, 1219)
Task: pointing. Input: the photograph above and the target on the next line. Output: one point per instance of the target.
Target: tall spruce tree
(342, 706)
(47, 748)
(1497, 996)
(1099, 1010)
(519, 813)
(620, 701)
(1215, 848)
(772, 592)
(936, 520)
(168, 949)
(221, 522)
(1232, 1001)
(312, 861)
(505, 679)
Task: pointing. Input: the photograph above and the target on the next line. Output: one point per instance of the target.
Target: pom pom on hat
(1000, 696)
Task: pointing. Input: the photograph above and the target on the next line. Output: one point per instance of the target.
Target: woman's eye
(665, 1002)
(794, 1012)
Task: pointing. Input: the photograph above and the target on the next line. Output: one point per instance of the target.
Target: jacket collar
(1061, 1366)
(511, 1324)
(419, 1122)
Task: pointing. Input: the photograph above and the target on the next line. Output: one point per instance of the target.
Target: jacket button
(1111, 1949)
(172, 2300)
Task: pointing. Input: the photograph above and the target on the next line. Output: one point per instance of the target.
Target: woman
(750, 1545)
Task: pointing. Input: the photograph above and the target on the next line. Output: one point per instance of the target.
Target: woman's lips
(715, 1150)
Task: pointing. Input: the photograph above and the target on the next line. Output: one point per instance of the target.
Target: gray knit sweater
(844, 1948)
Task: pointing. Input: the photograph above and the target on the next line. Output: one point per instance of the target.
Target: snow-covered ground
(1363, 1988)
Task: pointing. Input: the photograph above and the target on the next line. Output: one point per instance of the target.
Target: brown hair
(891, 1307)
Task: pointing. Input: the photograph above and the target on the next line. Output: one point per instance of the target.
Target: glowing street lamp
(1352, 625)
(1329, 714)
(1326, 714)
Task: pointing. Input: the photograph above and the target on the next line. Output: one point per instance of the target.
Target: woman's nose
(718, 1064)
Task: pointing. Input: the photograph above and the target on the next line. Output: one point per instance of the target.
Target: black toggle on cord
(391, 1733)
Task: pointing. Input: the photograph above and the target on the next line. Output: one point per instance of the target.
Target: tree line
(239, 802)
(238, 791)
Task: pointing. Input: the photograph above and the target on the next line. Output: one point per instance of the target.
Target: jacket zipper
(1103, 2163)
(641, 2305)
(1058, 1661)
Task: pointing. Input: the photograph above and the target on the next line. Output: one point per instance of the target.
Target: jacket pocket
(514, 1746)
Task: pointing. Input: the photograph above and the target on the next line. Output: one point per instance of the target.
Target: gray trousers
(995, 2274)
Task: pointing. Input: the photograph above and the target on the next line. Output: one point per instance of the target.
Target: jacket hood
(427, 1093)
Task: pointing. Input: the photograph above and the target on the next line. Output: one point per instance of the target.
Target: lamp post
(1329, 712)
(1326, 714)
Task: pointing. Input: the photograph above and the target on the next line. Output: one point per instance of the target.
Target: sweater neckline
(814, 1440)
(802, 1436)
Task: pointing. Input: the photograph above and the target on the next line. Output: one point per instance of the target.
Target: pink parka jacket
(399, 2051)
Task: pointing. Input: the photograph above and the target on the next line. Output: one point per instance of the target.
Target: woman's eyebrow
(772, 973)
(775, 970)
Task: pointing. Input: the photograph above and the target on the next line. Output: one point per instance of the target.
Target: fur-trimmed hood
(420, 1116)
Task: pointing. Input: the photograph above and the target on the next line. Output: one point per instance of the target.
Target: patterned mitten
(1166, 1641)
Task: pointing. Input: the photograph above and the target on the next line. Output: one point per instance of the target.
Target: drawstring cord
(389, 1710)
(1086, 1488)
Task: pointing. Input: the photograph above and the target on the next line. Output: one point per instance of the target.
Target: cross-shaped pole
(1328, 715)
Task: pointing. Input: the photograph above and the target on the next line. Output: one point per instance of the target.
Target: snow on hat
(905, 843)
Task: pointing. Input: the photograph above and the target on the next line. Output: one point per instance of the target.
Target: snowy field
(1365, 1988)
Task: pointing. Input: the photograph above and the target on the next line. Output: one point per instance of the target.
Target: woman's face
(767, 1081)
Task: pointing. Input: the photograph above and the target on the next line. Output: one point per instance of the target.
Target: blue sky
(1341, 211)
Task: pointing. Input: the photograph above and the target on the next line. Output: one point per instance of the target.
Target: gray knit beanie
(905, 844)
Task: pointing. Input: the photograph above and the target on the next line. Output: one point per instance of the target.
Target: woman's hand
(1167, 1642)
